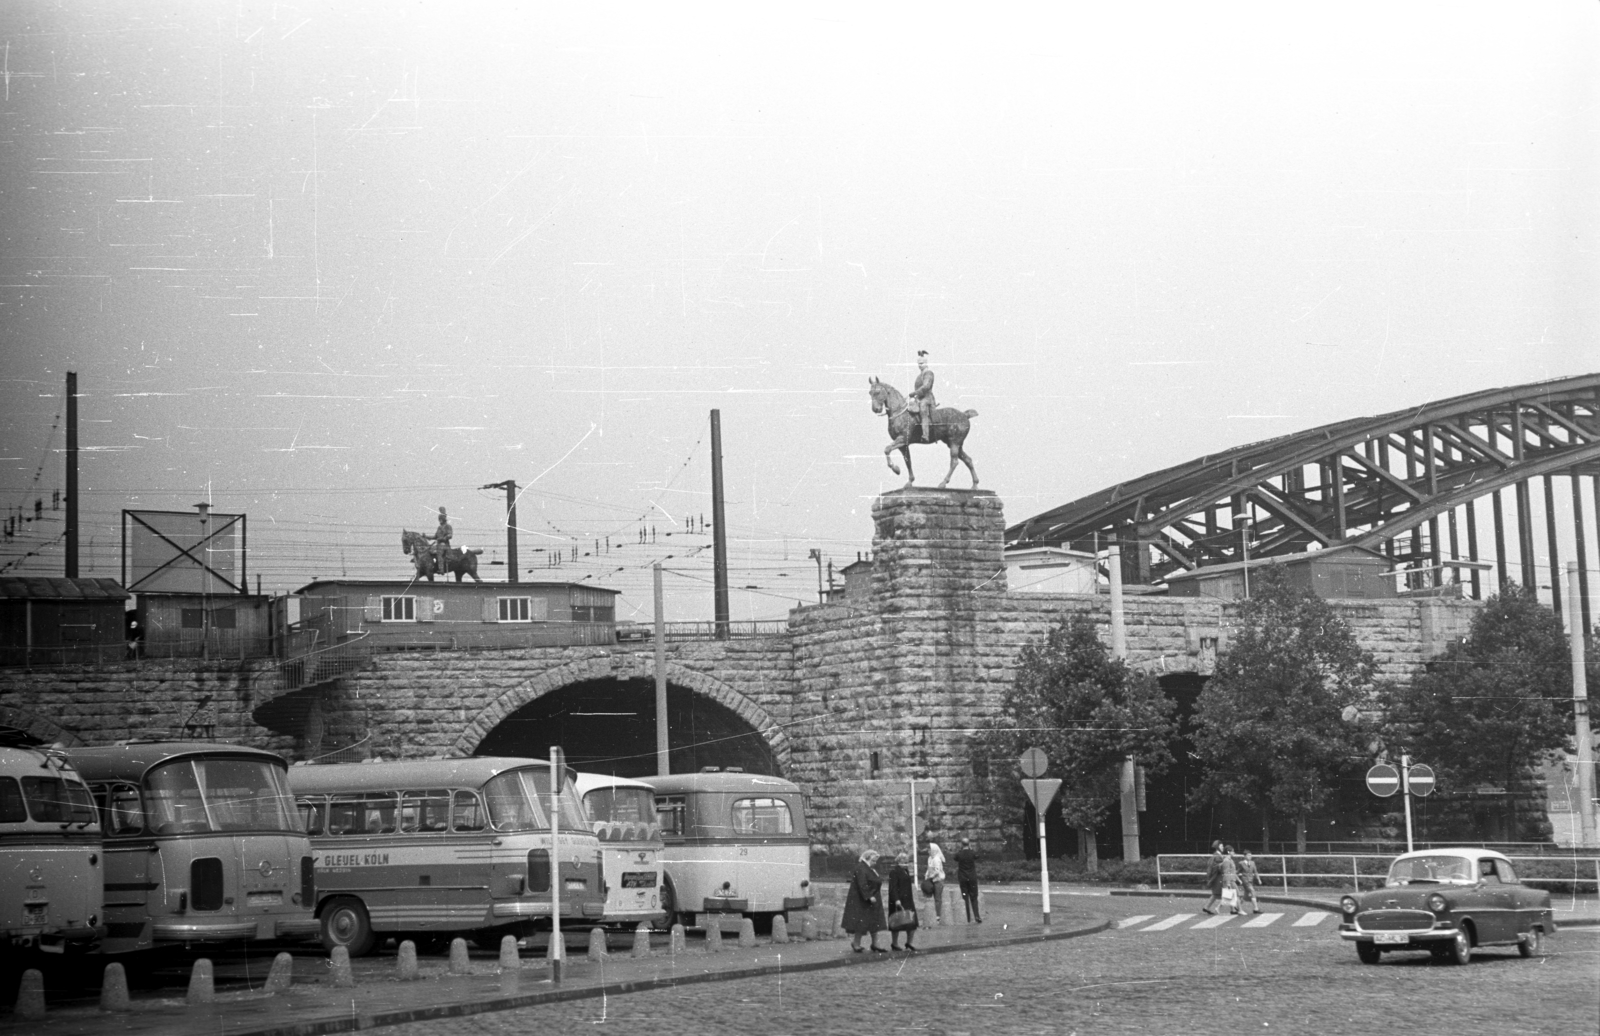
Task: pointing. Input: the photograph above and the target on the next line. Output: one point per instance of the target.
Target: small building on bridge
(48, 620)
(1335, 572)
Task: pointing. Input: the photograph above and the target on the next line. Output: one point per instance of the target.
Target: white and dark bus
(622, 813)
(736, 844)
(434, 848)
(51, 890)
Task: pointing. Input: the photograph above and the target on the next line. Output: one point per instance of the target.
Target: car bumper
(1442, 932)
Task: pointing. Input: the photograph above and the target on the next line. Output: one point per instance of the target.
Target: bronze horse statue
(948, 425)
(456, 561)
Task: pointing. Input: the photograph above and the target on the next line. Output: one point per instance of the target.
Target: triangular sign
(1041, 792)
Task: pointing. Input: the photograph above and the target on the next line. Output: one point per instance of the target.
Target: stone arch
(599, 668)
(46, 731)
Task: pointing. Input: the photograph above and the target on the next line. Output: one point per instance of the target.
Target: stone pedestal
(937, 543)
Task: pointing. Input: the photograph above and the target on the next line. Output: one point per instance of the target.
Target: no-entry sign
(1383, 780)
(1420, 779)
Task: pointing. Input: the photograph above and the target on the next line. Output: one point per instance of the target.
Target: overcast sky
(334, 265)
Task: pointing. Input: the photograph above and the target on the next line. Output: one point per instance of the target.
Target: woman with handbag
(933, 881)
(902, 911)
(863, 908)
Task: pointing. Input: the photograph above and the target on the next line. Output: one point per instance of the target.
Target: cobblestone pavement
(1227, 978)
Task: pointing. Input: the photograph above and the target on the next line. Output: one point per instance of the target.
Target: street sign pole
(558, 948)
(1044, 859)
(1405, 793)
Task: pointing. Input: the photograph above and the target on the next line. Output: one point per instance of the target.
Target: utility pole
(816, 555)
(72, 475)
(1130, 776)
(663, 745)
(719, 532)
(1583, 736)
(510, 486)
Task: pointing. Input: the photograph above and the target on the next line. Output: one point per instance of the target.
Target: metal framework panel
(183, 552)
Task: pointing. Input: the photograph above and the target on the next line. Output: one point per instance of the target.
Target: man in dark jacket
(967, 875)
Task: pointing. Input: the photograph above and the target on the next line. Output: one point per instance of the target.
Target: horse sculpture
(948, 425)
(457, 561)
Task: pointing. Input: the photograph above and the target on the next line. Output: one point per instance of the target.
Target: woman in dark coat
(900, 886)
(863, 908)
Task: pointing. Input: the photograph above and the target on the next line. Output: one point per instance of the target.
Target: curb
(364, 1020)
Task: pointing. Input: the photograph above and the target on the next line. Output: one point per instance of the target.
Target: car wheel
(1461, 946)
(345, 923)
(1532, 943)
(1369, 953)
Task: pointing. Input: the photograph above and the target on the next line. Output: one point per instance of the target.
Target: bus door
(132, 867)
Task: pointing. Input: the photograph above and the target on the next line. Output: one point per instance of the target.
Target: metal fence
(1568, 872)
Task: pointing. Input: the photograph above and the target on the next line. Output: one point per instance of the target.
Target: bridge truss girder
(1385, 483)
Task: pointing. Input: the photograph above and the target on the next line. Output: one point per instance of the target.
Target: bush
(1067, 869)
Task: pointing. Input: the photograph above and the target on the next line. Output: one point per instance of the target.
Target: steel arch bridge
(1408, 484)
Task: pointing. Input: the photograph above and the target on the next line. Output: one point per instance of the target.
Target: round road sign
(1033, 762)
(1383, 780)
(1420, 779)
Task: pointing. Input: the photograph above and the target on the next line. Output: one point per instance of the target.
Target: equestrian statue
(921, 420)
(432, 555)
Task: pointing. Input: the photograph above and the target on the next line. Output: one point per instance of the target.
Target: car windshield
(1431, 870)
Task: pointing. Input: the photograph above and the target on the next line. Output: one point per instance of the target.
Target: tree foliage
(1087, 711)
(1490, 707)
(1270, 725)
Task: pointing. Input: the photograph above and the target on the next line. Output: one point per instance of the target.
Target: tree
(1270, 724)
(1087, 711)
(1489, 708)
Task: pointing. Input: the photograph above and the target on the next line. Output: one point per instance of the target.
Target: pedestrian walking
(933, 881)
(1230, 879)
(1214, 878)
(967, 876)
(1248, 878)
(902, 908)
(863, 908)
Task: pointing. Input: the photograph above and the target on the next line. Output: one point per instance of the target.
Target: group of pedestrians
(866, 899)
(1232, 880)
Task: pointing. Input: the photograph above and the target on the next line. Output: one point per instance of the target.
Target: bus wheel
(345, 923)
(669, 901)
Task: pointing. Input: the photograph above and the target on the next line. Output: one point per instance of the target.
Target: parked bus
(434, 848)
(202, 845)
(623, 815)
(51, 894)
(736, 844)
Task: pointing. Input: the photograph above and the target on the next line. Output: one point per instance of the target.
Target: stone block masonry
(856, 698)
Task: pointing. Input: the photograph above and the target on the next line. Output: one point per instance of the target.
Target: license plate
(576, 884)
(264, 899)
(638, 879)
(1391, 938)
(35, 913)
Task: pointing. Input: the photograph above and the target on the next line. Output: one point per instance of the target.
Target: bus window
(121, 812)
(671, 810)
(424, 810)
(12, 811)
(361, 814)
(620, 805)
(311, 814)
(467, 813)
(52, 800)
(245, 795)
(762, 817)
(513, 807)
(175, 802)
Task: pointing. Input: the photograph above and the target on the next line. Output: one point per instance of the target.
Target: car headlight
(1348, 905)
(1438, 904)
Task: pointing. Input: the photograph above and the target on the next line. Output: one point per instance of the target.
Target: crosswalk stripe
(1215, 922)
(1311, 918)
(1261, 920)
(1129, 922)
(1175, 919)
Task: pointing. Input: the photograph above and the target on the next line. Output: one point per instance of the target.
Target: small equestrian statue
(921, 420)
(429, 561)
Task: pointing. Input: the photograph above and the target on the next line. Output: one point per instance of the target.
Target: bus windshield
(195, 795)
(621, 805)
(52, 800)
(520, 801)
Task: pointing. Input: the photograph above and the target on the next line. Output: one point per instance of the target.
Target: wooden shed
(187, 625)
(58, 621)
(1336, 572)
(400, 613)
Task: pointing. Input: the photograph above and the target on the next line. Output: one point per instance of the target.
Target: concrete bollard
(832, 931)
(747, 933)
(406, 961)
(808, 928)
(713, 938)
(30, 995)
(509, 959)
(641, 940)
(343, 977)
(780, 929)
(202, 985)
(459, 965)
(597, 944)
(281, 977)
(677, 941)
(114, 989)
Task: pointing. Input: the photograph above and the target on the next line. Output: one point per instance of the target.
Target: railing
(319, 665)
(1326, 870)
(702, 630)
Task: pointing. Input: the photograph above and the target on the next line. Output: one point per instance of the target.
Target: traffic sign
(1383, 780)
(1033, 762)
(1041, 792)
(1420, 779)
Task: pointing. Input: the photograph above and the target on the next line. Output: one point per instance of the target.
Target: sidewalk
(380, 998)
(1570, 911)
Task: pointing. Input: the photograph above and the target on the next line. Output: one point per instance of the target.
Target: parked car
(1448, 902)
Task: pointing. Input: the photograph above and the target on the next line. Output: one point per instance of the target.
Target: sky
(335, 265)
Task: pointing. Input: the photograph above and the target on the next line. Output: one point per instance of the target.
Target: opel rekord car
(1448, 902)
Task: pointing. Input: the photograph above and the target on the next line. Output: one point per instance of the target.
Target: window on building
(515, 609)
(194, 618)
(225, 619)
(399, 609)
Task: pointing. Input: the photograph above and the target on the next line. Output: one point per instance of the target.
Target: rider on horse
(441, 541)
(922, 401)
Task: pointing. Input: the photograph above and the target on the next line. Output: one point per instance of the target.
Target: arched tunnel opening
(609, 726)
